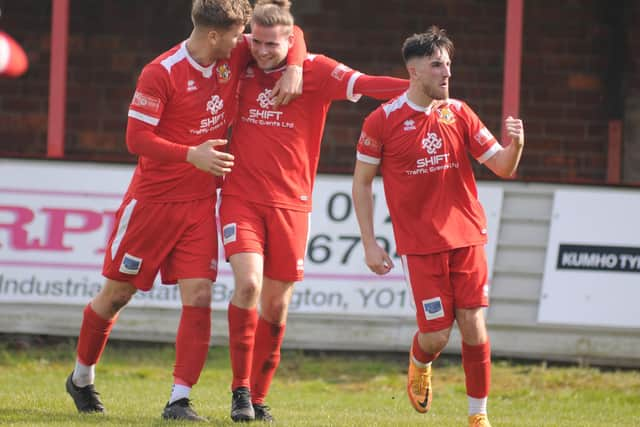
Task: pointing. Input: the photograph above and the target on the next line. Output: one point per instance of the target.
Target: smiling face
(270, 45)
(431, 74)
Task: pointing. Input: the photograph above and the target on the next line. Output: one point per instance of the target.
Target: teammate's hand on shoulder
(288, 87)
(209, 159)
(377, 259)
(515, 130)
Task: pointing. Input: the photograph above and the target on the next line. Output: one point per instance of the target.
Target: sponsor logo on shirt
(409, 125)
(146, 102)
(214, 107)
(215, 104)
(249, 73)
(368, 142)
(265, 115)
(446, 116)
(436, 159)
(224, 72)
(339, 72)
(265, 99)
(130, 264)
(432, 143)
(191, 86)
(433, 308)
(483, 136)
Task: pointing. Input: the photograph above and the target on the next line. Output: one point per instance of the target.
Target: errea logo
(432, 143)
(191, 86)
(265, 100)
(215, 104)
(409, 125)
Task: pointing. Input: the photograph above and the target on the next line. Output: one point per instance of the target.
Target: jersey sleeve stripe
(144, 118)
(489, 153)
(367, 159)
(352, 82)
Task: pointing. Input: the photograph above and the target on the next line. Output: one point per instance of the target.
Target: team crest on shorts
(446, 116)
(433, 308)
(224, 72)
(229, 233)
(130, 264)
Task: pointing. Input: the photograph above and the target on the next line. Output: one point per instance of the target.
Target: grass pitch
(310, 389)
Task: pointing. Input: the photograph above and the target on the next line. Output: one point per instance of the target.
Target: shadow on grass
(41, 416)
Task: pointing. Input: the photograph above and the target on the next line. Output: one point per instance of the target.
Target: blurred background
(579, 92)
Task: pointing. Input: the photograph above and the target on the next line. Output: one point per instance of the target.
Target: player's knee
(198, 295)
(247, 290)
(434, 342)
(275, 311)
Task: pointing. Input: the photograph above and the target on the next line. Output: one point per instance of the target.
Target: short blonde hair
(270, 13)
(221, 14)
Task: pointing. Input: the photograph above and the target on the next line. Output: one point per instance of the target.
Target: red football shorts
(278, 234)
(179, 239)
(445, 281)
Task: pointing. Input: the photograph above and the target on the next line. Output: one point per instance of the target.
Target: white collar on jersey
(426, 110)
(206, 71)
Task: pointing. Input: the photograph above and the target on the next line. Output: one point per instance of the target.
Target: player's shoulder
(168, 60)
(394, 107)
(319, 63)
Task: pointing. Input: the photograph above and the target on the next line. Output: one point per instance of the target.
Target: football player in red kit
(421, 141)
(179, 116)
(266, 198)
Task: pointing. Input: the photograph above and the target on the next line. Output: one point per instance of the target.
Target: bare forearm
(508, 159)
(363, 204)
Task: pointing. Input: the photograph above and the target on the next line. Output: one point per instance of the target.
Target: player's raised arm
(380, 87)
(505, 162)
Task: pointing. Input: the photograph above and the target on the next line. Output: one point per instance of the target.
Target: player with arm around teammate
(420, 142)
(266, 198)
(178, 119)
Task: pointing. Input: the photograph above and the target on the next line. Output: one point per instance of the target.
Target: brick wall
(631, 130)
(565, 52)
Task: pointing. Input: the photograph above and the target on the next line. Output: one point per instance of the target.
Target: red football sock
(242, 330)
(266, 358)
(476, 360)
(192, 344)
(419, 354)
(93, 337)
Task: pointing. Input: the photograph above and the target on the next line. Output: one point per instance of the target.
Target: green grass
(310, 389)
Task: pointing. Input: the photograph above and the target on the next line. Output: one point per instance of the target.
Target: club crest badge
(446, 116)
(224, 73)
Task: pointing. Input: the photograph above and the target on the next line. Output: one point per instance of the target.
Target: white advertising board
(55, 218)
(592, 268)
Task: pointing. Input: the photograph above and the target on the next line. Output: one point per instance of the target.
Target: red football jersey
(187, 104)
(428, 180)
(277, 150)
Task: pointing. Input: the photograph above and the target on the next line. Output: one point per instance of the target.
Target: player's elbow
(505, 172)
(131, 138)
